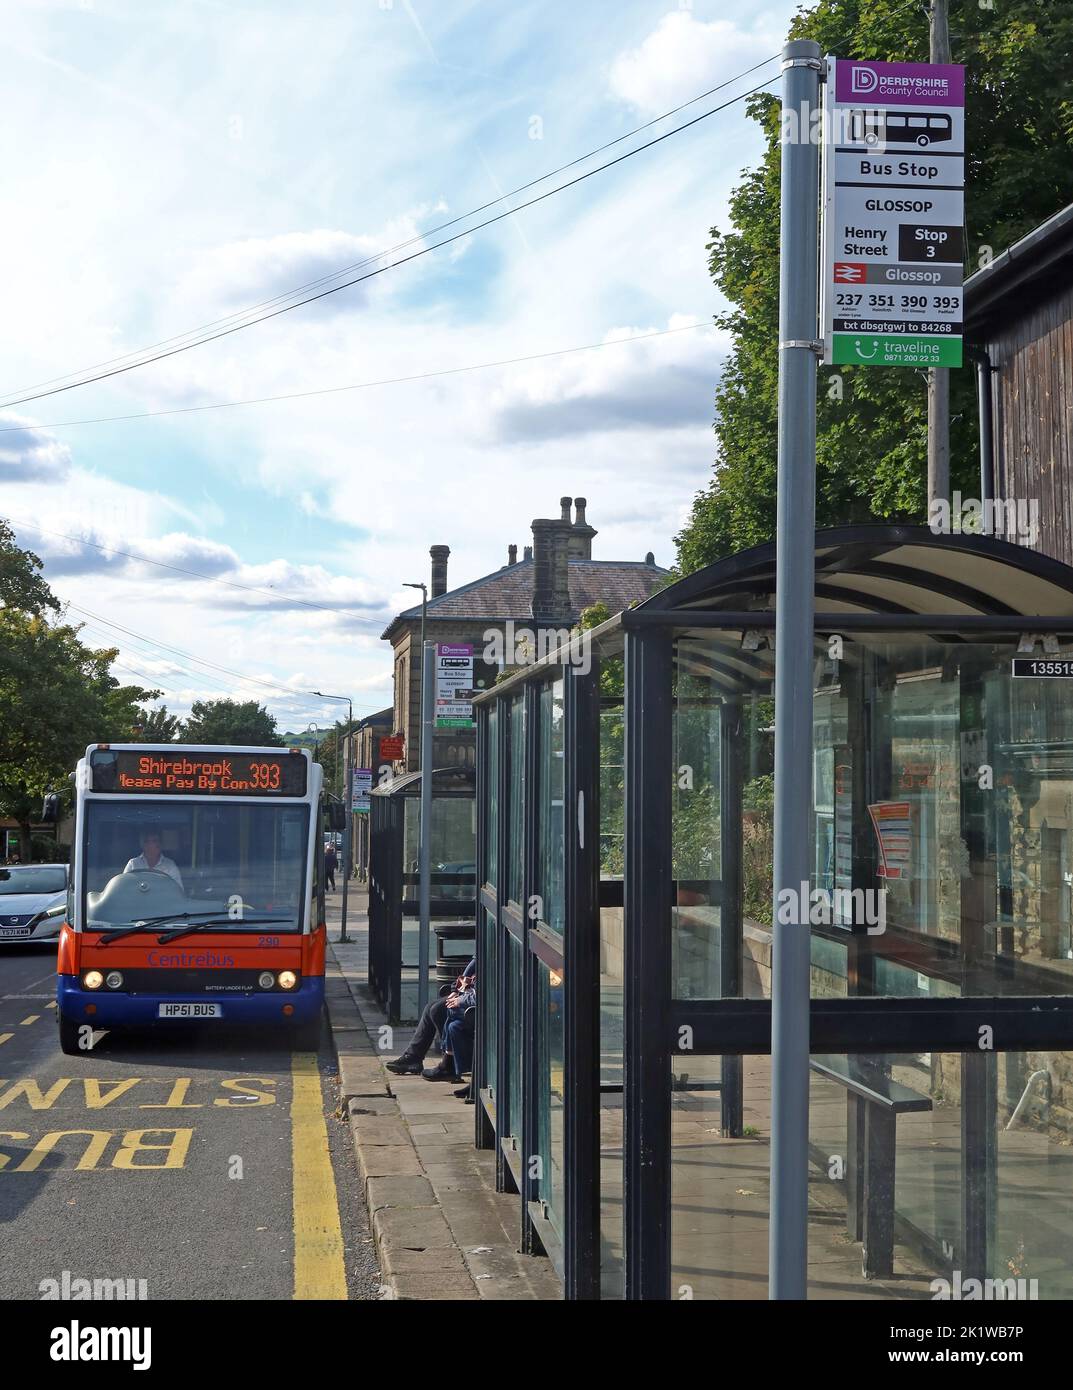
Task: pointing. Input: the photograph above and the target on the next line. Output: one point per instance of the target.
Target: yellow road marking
(4, 1037)
(51, 1004)
(31, 1019)
(319, 1271)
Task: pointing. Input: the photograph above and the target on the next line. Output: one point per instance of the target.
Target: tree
(21, 585)
(871, 453)
(56, 697)
(229, 722)
(157, 726)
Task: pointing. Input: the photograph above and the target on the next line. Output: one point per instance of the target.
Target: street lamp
(424, 618)
(349, 798)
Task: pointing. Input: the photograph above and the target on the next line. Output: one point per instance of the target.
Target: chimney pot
(650, 559)
(527, 552)
(579, 511)
(566, 503)
(439, 554)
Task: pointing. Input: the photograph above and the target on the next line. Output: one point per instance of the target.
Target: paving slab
(399, 1191)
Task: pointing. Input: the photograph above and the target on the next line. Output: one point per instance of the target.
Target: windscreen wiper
(148, 923)
(217, 922)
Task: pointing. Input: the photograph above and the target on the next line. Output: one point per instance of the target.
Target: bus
(196, 893)
(922, 128)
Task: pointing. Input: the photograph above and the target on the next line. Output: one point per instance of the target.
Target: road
(170, 1159)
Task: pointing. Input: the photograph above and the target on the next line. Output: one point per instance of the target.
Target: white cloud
(28, 454)
(684, 56)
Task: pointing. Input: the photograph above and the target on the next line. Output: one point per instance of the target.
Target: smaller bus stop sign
(391, 748)
(893, 212)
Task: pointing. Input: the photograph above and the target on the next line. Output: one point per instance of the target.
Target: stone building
(522, 604)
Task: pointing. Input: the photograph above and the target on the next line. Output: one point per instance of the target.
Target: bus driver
(152, 858)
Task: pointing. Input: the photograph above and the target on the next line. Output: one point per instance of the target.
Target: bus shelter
(394, 881)
(625, 840)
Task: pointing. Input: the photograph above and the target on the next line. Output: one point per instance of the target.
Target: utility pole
(939, 377)
(795, 569)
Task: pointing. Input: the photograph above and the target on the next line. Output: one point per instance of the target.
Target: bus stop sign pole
(794, 608)
(428, 717)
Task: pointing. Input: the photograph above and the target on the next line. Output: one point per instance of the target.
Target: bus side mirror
(336, 815)
(50, 809)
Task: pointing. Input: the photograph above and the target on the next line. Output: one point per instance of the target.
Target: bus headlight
(287, 979)
(114, 980)
(266, 979)
(93, 979)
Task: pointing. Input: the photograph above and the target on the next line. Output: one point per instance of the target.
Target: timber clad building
(1019, 321)
(553, 583)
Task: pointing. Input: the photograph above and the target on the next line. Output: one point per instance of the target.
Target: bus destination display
(212, 773)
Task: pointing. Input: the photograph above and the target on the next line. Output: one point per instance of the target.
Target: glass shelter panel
(550, 848)
(926, 1171)
(942, 860)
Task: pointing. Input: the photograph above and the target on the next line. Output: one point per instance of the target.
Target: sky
(172, 162)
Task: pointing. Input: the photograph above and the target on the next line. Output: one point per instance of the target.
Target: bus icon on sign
(900, 127)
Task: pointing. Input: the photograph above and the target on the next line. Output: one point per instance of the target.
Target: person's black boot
(444, 1072)
(405, 1065)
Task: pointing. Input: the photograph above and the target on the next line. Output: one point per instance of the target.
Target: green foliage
(871, 452)
(56, 697)
(21, 585)
(231, 722)
(157, 726)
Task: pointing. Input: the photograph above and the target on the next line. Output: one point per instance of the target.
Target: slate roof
(508, 592)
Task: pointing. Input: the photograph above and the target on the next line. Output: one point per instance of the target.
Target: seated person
(434, 1020)
(458, 1034)
(152, 857)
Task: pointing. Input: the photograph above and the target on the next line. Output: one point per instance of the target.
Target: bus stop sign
(894, 202)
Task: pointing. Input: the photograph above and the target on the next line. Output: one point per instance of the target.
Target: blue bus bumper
(119, 1010)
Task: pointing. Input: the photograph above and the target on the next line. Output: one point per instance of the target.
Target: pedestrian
(330, 861)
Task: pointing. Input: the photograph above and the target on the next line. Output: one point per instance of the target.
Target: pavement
(441, 1229)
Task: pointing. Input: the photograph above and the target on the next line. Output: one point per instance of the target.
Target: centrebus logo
(863, 80)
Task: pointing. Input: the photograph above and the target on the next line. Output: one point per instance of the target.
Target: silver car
(33, 898)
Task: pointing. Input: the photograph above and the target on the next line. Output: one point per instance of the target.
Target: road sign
(363, 785)
(454, 685)
(893, 245)
(391, 748)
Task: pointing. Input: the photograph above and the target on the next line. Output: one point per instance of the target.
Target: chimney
(512, 554)
(439, 555)
(581, 533)
(527, 552)
(650, 559)
(551, 573)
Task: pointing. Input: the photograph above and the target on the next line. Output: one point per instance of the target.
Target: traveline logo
(78, 1343)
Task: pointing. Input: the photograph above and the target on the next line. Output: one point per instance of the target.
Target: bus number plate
(190, 1011)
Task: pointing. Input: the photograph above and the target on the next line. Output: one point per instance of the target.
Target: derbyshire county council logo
(863, 80)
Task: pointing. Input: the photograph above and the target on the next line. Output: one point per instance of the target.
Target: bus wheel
(70, 1034)
(305, 1037)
